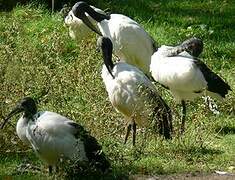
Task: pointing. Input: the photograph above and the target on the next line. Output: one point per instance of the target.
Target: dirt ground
(212, 176)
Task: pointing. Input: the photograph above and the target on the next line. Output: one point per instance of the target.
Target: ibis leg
(57, 169)
(134, 132)
(50, 169)
(128, 129)
(183, 115)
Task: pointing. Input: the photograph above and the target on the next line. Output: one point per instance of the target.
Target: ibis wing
(161, 115)
(92, 147)
(214, 83)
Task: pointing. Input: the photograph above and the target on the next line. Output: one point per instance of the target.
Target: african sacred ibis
(131, 43)
(53, 136)
(186, 76)
(133, 94)
(77, 29)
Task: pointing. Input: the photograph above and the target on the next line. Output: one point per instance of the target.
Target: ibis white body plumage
(184, 75)
(179, 73)
(131, 43)
(124, 92)
(52, 136)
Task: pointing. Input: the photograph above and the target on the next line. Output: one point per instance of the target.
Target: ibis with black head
(53, 136)
(133, 94)
(131, 43)
(185, 75)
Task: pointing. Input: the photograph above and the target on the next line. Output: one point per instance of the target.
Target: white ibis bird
(186, 76)
(132, 94)
(131, 43)
(53, 136)
(77, 29)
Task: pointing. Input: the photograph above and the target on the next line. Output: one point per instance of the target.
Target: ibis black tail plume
(93, 150)
(214, 83)
(162, 116)
(95, 154)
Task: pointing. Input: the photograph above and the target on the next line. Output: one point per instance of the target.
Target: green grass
(38, 56)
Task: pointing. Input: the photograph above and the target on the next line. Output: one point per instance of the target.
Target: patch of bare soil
(199, 176)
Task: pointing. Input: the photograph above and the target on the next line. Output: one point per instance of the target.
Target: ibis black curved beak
(15, 111)
(86, 21)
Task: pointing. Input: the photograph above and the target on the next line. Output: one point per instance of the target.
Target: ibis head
(26, 105)
(80, 8)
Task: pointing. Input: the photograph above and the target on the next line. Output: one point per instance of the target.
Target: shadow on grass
(115, 175)
(202, 155)
(198, 151)
(16, 155)
(164, 11)
(225, 130)
(26, 164)
(204, 151)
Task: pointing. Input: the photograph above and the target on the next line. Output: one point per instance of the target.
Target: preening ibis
(53, 136)
(77, 29)
(132, 94)
(186, 76)
(131, 43)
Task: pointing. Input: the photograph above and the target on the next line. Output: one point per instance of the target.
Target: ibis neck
(29, 115)
(107, 55)
(95, 15)
(30, 111)
(21, 129)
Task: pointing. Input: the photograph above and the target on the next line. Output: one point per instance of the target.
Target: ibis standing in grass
(184, 75)
(133, 94)
(53, 136)
(131, 43)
